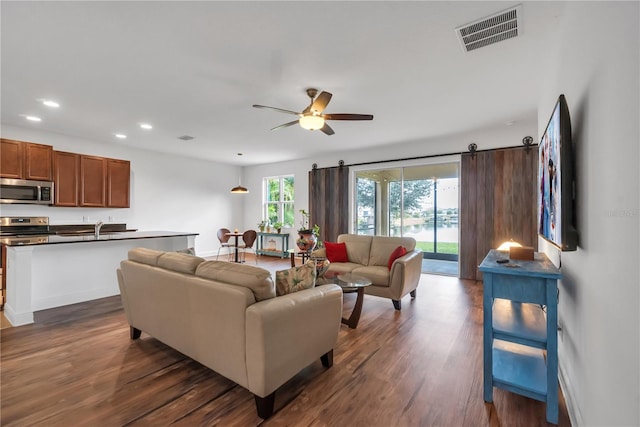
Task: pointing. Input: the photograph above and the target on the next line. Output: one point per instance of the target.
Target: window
(278, 200)
(419, 201)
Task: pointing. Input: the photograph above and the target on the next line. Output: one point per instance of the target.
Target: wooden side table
(293, 254)
(516, 331)
(284, 237)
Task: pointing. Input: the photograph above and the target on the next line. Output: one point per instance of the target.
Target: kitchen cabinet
(118, 180)
(66, 178)
(79, 180)
(11, 159)
(26, 160)
(520, 339)
(38, 160)
(90, 181)
(93, 173)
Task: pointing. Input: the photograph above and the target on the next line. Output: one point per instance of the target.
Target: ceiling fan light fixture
(311, 122)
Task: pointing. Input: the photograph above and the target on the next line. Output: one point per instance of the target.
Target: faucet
(99, 225)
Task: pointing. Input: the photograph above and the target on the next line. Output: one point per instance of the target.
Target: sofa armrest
(287, 333)
(405, 273)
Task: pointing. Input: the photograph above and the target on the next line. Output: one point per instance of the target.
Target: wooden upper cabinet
(79, 180)
(26, 160)
(93, 172)
(38, 160)
(66, 178)
(11, 159)
(118, 180)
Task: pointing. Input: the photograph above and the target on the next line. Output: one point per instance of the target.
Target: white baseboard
(575, 415)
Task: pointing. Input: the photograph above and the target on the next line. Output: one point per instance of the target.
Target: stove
(24, 226)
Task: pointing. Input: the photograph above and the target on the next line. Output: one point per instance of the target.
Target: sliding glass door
(416, 201)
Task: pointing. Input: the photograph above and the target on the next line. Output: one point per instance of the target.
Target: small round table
(351, 283)
(293, 253)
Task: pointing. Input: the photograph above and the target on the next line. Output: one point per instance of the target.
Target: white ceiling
(196, 68)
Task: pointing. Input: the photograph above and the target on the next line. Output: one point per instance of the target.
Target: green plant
(278, 225)
(305, 224)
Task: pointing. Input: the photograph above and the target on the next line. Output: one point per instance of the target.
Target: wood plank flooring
(419, 367)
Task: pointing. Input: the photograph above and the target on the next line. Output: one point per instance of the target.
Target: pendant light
(239, 189)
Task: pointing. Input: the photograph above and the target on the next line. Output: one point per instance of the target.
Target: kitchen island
(44, 272)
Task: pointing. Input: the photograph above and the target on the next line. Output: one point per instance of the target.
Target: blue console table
(516, 332)
(267, 251)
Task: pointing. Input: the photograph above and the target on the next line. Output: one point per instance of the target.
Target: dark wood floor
(418, 367)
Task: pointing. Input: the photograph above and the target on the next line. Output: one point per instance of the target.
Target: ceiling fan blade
(347, 116)
(276, 109)
(327, 129)
(321, 102)
(286, 125)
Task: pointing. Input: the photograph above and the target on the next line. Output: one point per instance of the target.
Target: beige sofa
(226, 316)
(369, 257)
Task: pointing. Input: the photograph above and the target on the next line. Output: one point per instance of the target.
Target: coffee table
(351, 283)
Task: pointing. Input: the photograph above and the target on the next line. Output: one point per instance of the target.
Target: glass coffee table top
(348, 280)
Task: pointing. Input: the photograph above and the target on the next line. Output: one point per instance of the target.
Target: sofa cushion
(145, 256)
(382, 247)
(397, 253)
(255, 278)
(336, 252)
(295, 279)
(181, 263)
(358, 248)
(379, 275)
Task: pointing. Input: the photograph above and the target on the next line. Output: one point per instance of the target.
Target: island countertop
(47, 271)
(84, 238)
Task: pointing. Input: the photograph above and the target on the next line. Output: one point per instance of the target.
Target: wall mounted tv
(556, 181)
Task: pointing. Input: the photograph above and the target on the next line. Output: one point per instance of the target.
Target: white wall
(597, 70)
(168, 192)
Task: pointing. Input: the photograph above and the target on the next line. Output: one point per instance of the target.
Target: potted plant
(262, 225)
(307, 237)
(278, 226)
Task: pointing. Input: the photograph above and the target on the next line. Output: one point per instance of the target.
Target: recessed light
(120, 135)
(146, 126)
(50, 103)
(33, 118)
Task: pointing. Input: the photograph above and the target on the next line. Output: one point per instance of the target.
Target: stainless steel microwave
(26, 191)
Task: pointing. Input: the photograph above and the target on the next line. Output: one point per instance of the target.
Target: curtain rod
(472, 151)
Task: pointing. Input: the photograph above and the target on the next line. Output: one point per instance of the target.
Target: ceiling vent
(492, 29)
(186, 137)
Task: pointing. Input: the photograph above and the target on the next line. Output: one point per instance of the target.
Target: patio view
(417, 201)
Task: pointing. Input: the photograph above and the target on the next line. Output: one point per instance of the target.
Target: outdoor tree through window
(278, 200)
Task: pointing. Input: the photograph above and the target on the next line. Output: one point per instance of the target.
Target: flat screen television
(556, 181)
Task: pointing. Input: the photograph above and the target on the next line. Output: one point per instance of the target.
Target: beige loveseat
(226, 316)
(369, 257)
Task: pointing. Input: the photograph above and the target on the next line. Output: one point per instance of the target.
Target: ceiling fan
(311, 118)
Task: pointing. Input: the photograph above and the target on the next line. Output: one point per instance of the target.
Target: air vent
(186, 137)
(492, 29)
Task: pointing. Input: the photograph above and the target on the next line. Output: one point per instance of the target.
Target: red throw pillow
(336, 252)
(397, 253)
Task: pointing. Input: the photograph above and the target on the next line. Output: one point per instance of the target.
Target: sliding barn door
(498, 203)
(329, 201)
